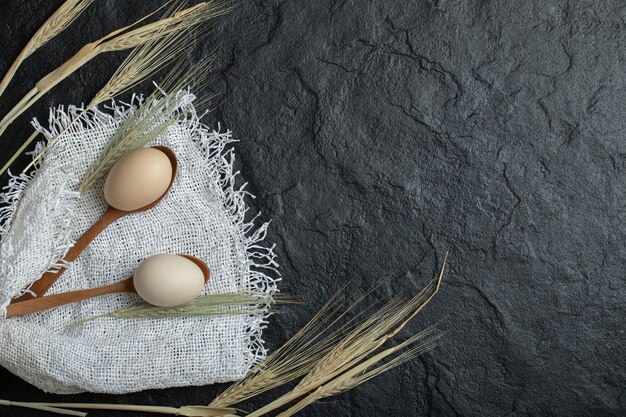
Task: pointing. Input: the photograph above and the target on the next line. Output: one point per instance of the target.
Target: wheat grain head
(58, 22)
(415, 346)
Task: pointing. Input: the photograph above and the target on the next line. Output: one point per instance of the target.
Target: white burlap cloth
(203, 215)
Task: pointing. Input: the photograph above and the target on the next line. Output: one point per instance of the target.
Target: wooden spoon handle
(50, 301)
(44, 283)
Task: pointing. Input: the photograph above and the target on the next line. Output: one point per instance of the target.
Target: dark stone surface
(377, 134)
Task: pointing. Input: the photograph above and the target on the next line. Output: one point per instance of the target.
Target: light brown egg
(140, 178)
(168, 280)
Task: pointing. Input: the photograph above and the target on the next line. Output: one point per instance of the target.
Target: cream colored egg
(168, 280)
(140, 178)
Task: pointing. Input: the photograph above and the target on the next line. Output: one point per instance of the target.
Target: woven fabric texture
(203, 215)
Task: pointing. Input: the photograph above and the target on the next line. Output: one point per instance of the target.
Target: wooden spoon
(51, 301)
(111, 214)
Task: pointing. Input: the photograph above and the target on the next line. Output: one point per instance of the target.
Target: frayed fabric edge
(60, 121)
(9, 201)
(261, 275)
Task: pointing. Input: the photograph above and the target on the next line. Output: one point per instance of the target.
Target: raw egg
(168, 280)
(140, 178)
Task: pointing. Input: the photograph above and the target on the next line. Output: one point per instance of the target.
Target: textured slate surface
(378, 134)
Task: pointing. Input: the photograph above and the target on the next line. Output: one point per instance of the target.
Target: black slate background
(377, 134)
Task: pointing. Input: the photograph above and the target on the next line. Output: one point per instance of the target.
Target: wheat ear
(142, 62)
(417, 345)
(290, 361)
(119, 40)
(59, 21)
(296, 357)
(237, 303)
(361, 342)
(132, 61)
(159, 111)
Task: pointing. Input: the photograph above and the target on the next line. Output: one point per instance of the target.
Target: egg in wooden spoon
(138, 179)
(162, 280)
(169, 280)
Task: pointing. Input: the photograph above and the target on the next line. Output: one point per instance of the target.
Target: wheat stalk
(119, 40)
(348, 351)
(141, 63)
(188, 411)
(144, 61)
(318, 347)
(155, 115)
(299, 354)
(58, 22)
(148, 59)
(41, 407)
(360, 342)
(290, 361)
(237, 303)
(417, 344)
